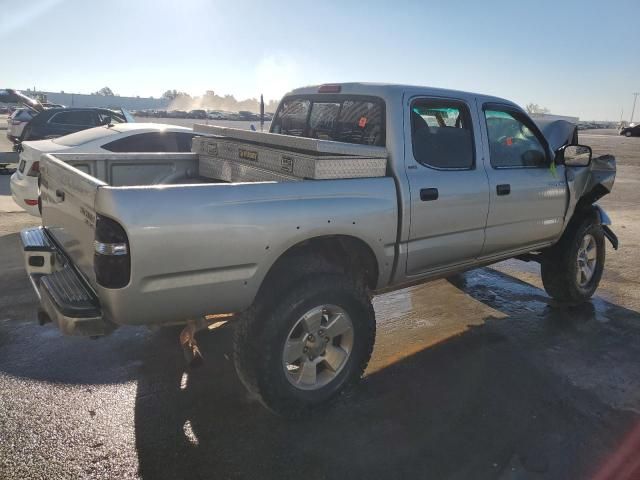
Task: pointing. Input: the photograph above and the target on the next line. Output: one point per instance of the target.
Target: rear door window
(81, 117)
(340, 118)
(441, 134)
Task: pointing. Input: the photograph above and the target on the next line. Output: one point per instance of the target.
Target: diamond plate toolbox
(290, 158)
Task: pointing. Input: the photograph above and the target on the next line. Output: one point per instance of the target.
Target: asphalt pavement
(479, 376)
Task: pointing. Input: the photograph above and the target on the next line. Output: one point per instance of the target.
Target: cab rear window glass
(341, 118)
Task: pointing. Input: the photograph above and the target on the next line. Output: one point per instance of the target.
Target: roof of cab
(388, 90)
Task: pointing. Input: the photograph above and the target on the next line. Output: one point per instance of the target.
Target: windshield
(341, 118)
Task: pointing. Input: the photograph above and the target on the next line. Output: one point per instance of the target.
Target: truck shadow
(492, 402)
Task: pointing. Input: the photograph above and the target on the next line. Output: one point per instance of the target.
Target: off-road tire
(559, 267)
(262, 331)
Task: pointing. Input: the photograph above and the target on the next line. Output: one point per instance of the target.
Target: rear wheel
(572, 270)
(308, 346)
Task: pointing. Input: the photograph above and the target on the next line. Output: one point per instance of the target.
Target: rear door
(68, 197)
(448, 183)
(528, 198)
(64, 123)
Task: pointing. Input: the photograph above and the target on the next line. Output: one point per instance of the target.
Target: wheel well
(328, 254)
(584, 209)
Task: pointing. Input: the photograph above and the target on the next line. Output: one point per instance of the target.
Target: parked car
(198, 114)
(246, 115)
(447, 181)
(177, 114)
(631, 131)
(123, 137)
(215, 115)
(56, 122)
(16, 123)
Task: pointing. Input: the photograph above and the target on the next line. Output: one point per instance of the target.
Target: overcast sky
(574, 57)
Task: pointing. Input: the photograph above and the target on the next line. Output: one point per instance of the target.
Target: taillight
(34, 171)
(111, 260)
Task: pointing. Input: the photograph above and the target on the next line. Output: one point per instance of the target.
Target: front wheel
(627, 134)
(572, 271)
(308, 346)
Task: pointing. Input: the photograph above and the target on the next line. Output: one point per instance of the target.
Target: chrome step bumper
(65, 297)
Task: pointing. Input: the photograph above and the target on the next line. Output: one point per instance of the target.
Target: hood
(9, 95)
(558, 132)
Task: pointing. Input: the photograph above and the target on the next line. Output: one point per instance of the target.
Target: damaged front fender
(589, 184)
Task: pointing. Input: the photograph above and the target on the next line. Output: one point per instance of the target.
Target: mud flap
(610, 236)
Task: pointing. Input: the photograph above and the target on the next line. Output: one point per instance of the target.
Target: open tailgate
(68, 212)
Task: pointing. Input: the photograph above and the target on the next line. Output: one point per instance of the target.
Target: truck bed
(197, 245)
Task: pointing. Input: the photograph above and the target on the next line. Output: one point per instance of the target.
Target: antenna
(261, 113)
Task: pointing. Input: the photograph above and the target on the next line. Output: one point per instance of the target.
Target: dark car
(198, 114)
(631, 131)
(56, 122)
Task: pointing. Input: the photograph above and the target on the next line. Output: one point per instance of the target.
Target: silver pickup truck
(467, 180)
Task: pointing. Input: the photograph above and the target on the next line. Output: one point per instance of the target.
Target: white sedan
(122, 137)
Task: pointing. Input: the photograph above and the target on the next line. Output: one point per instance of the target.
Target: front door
(448, 183)
(528, 198)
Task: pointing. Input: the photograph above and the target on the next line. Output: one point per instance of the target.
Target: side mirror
(575, 155)
(106, 119)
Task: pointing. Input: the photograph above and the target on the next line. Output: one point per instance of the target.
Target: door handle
(428, 194)
(60, 195)
(503, 189)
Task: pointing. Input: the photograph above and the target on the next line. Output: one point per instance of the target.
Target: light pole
(633, 109)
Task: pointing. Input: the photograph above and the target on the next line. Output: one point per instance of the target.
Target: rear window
(22, 115)
(84, 136)
(340, 118)
(152, 142)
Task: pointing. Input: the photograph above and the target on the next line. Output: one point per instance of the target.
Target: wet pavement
(478, 376)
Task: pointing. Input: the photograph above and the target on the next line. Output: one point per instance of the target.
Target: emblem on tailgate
(212, 149)
(89, 217)
(248, 155)
(286, 164)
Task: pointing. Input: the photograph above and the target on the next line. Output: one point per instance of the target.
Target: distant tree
(105, 92)
(172, 94)
(535, 108)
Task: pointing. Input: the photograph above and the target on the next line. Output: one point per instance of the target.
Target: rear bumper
(65, 297)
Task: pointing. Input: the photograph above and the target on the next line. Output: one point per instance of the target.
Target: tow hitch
(188, 341)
